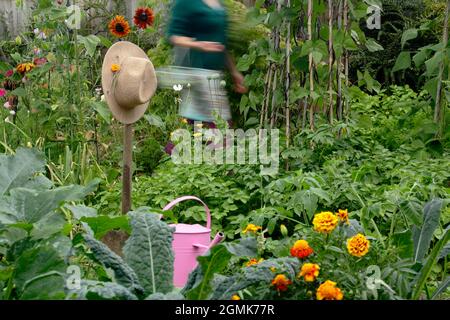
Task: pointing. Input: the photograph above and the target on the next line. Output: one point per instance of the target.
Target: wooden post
(127, 167)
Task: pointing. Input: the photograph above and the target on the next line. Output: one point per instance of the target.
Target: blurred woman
(198, 31)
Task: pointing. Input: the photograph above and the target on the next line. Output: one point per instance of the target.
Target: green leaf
(102, 224)
(47, 286)
(422, 239)
(404, 242)
(123, 273)
(432, 65)
(441, 288)
(373, 46)
(214, 262)
(403, 62)
(29, 206)
(409, 35)
(81, 211)
(35, 262)
(102, 109)
(48, 226)
(90, 43)
(149, 252)
(18, 169)
(431, 260)
(20, 92)
(246, 61)
(245, 247)
(420, 57)
(155, 120)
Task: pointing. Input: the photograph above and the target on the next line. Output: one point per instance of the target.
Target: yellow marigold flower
(253, 261)
(310, 271)
(25, 67)
(301, 249)
(273, 269)
(325, 222)
(235, 297)
(184, 120)
(197, 134)
(329, 291)
(281, 282)
(251, 228)
(358, 245)
(343, 215)
(115, 67)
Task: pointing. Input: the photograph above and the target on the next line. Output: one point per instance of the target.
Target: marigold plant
(325, 222)
(358, 245)
(329, 291)
(301, 249)
(251, 228)
(281, 282)
(253, 261)
(343, 215)
(25, 67)
(309, 271)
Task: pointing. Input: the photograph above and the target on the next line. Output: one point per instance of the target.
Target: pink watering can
(189, 242)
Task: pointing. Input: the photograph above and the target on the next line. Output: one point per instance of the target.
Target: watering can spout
(217, 239)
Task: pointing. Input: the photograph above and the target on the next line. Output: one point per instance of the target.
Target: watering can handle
(176, 201)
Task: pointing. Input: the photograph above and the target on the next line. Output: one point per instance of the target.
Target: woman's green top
(196, 19)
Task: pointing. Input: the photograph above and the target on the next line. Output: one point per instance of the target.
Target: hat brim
(116, 55)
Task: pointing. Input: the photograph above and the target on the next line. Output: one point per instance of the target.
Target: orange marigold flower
(329, 291)
(253, 261)
(325, 222)
(119, 27)
(235, 297)
(115, 67)
(343, 215)
(25, 67)
(358, 245)
(281, 282)
(310, 271)
(143, 17)
(301, 249)
(251, 228)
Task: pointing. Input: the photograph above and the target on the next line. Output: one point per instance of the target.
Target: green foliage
(149, 252)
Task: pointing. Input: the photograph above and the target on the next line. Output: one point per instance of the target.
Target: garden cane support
(127, 167)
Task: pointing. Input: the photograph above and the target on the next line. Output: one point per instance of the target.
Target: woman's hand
(205, 46)
(209, 46)
(238, 80)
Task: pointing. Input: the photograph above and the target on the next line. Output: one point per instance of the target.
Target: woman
(198, 31)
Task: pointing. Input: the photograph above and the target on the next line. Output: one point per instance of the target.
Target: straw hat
(128, 80)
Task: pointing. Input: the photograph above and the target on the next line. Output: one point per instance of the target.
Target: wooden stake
(127, 166)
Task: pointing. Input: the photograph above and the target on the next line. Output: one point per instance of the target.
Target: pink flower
(2, 92)
(9, 73)
(39, 61)
(7, 105)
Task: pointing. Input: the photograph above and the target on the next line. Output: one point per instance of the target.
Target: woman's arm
(206, 46)
(238, 78)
